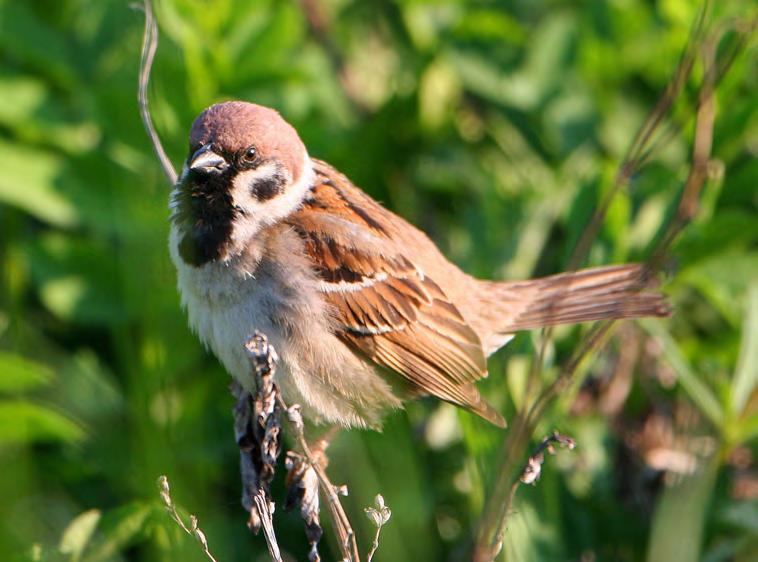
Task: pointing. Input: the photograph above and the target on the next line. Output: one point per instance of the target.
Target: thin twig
(263, 506)
(345, 534)
(529, 473)
(303, 489)
(637, 155)
(492, 529)
(262, 357)
(639, 148)
(533, 468)
(374, 545)
(193, 530)
(701, 156)
(686, 209)
(149, 46)
(379, 515)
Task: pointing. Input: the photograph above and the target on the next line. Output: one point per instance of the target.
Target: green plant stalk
(677, 529)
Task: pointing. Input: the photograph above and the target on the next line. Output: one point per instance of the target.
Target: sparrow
(364, 310)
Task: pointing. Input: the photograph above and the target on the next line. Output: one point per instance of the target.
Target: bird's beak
(206, 161)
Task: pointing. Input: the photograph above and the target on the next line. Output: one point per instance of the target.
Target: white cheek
(242, 191)
(259, 214)
(282, 205)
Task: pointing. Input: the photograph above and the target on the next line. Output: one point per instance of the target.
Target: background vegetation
(496, 127)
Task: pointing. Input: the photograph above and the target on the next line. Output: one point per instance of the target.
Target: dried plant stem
(149, 46)
(267, 524)
(637, 155)
(701, 156)
(193, 530)
(374, 545)
(494, 524)
(342, 527)
(685, 212)
(379, 514)
(257, 429)
(641, 146)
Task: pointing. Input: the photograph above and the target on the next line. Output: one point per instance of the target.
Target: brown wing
(386, 307)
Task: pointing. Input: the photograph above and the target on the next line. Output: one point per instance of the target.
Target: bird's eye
(251, 153)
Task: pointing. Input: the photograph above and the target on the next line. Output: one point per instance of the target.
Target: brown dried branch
(529, 473)
(257, 429)
(264, 407)
(149, 46)
(264, 508)
(342, 526)
(640, 148)
(302, 490)
(193, 530)
(533, 468)
(701, 157)
(492, 528)
(686, 210)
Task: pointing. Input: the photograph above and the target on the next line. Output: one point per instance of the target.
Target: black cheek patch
(268, 188)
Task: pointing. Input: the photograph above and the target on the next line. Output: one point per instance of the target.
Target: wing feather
(385, 306)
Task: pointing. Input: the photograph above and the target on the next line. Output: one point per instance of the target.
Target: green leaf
(698, 392)
(722, 279)
(439, 93)
(549, 50)
(18, 374)
(76, 279)
(24, 422)
(89, 389)
(78, 534)
(29, 181)
(120, 528)
(490, 24)
(25, 37)
(34, 115)
(728, 232)
(746, 374)
(23, 97)
(679, 516)
(747, 430)
(743, 515)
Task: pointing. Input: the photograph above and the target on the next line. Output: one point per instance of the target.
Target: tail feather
(591, 294)
(485, 410)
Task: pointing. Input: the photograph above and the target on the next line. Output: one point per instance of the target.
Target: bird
(363, 309)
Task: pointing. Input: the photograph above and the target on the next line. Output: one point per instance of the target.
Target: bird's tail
(600, 293)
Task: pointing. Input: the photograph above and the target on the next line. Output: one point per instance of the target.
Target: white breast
(225, 306)
(227, 301)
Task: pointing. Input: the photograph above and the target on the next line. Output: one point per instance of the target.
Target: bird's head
(246, 169)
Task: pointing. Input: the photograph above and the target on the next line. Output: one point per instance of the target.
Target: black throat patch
(204, 214)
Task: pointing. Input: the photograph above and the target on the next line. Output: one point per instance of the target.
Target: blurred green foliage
(494, 126)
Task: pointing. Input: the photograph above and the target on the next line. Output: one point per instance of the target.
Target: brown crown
(234, 126)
